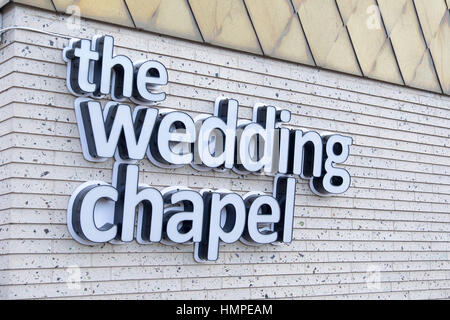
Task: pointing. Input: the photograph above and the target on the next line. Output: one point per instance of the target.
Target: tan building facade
(386, 237)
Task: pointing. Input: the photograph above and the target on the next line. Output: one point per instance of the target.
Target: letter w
(114, 128)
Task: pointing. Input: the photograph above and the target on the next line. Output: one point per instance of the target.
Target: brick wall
(395, 217)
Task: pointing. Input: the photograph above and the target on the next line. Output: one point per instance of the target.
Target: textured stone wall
(395, 218)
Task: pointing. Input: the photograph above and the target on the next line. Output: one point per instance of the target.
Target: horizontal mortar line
(54, 196)
(253, 179)
(232, 251)
(264, 74)
(304, 229)
(256, 299)
(273, 252)
(391, 212)
(350, 294)
(187, 248)
(275, 285)
(297, 240)
(282, 274)
(228, 264)
(249, 264)
(314, 239)
(196, 174)
(216, 288)
(274, 99)
(397, 211)
(296, 216)
(33, 103)
(302, 206)
(341, 196)
(236, 190)
(159, 186)
(251, 288)
(261, 264)
(303, 126)
(229, 252)
(228, 276)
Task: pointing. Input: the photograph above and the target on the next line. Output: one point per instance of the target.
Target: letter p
(224, 220)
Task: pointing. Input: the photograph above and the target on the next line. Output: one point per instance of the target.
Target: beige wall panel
(327, 35)
(341, 56)
(43, 4)
(391, 12)
(368, 36)
(440, 50)
(385, 67)
(409, 46)
(434, 20)
(347, 8)
(112, 11)
(225, 23)
(431, 14)
(172, 17)
(279, 30)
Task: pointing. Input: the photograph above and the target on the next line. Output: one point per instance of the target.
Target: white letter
(308, 154)
(224, 120)
(130, 196)
(177, 229)
(81, 213)
(262, 210)
(120, 67)
(336, 180)
(284, 192)
(102, 133)
(173, 127)
(213, 231)
(149, 74)
(79, 56)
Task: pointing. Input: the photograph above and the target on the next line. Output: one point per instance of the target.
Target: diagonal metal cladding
(279, 30)
(369, 38)
(327, 35)
(172, 18)
(440, 50)
(225, 23)
(111, 11)
(433, 18)
(409, 46)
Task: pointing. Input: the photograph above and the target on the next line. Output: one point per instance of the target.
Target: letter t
(80, 55)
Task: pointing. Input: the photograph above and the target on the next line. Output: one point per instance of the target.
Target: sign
(126, 209)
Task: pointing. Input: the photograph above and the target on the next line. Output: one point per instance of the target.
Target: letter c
(82, 209)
